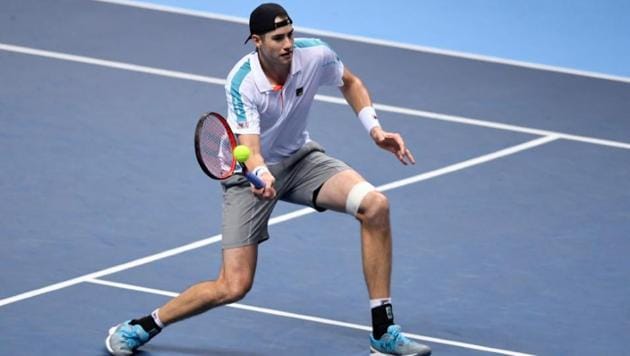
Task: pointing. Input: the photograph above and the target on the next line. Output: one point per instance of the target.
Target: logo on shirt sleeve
(299, 91)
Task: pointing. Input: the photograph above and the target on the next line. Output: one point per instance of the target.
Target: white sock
(380, 301)
(156, 318)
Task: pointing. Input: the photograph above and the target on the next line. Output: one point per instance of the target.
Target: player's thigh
(302, 181)
(239, 266)
(334, 193)
(245, 216)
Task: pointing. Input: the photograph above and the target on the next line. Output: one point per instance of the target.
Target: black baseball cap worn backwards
(262, 19)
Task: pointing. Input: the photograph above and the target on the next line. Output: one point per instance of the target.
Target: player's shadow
(159, 349)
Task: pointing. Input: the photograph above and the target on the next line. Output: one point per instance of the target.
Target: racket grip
(255, 180)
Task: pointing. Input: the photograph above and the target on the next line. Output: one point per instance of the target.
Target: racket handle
(255, 180)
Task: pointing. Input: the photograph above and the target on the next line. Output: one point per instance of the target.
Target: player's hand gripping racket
(214, 147)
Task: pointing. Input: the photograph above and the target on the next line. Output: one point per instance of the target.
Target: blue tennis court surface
(510, 232)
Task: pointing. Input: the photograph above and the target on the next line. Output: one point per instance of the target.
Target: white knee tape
(356, 195)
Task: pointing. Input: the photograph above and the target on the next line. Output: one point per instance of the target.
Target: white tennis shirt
(279, 115)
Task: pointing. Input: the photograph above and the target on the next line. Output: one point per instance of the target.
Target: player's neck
(277, 74)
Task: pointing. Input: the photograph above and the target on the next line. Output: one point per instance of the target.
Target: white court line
(314, 319)
(322, 98)
(469, 163)
(276, 220)
(373, 41)
(111, 64)
(482, 123)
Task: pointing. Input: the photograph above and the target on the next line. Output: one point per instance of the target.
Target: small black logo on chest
(299, 91)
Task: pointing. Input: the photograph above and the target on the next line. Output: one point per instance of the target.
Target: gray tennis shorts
(298, 180)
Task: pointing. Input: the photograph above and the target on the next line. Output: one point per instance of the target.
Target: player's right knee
(237, 290)
(230, 291)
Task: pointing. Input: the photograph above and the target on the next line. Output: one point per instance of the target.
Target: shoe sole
(111, 332)
(374, 352)
(108, 338)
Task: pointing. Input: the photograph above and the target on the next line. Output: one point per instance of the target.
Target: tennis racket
(214, 148)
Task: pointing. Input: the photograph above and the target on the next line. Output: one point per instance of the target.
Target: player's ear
(258, 39)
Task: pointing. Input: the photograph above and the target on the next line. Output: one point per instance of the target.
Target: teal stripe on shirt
(309, 42)
(235, 90)
(313, 42)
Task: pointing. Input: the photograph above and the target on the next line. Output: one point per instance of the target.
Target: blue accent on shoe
(125, 338)
(393, 342)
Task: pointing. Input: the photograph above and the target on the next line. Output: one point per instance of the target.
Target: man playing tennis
(269, 93)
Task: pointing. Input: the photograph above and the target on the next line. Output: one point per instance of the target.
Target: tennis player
(269, 94)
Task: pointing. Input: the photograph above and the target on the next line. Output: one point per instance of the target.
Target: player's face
(277, 46)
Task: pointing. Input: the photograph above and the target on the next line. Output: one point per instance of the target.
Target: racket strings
(216, 149)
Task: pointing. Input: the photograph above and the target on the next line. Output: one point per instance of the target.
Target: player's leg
(373, 214)
(234, 281)
(348, 192)
(322, 182)
(245, 219)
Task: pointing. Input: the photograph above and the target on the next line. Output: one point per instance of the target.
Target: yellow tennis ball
(241, 153)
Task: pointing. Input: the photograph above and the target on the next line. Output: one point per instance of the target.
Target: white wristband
(258, 171)
(368, 118)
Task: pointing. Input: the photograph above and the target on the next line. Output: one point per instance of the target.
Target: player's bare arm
(256, 164)
(358, 97)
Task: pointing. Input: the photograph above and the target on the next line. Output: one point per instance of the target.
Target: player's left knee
(356, 196)
(375, 207)
(367, 204)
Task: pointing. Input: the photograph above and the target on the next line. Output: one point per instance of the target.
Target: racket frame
(255, 180)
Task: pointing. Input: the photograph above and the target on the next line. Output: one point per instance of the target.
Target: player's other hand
(268, 192)
(392, 142)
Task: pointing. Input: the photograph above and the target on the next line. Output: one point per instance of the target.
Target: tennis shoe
(124, 339)
(395, 343)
